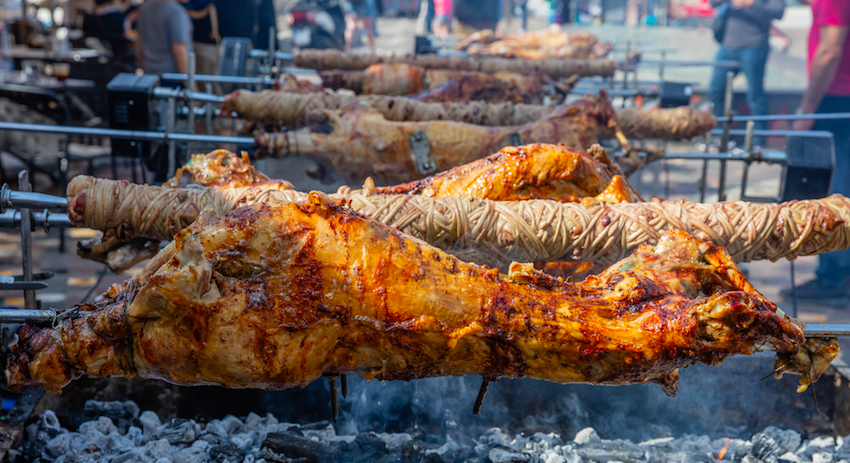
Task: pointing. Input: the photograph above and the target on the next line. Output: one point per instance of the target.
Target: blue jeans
(835, 266)
(753, 62)
(521, 11)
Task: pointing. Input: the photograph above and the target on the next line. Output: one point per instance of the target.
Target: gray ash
(431, 420)
(256, 439)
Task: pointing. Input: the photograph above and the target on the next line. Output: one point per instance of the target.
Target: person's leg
(368, 23)
(717, 85)
(350, 29)
(523, 15)
(753, 63)
(429, 16)
(835, 266)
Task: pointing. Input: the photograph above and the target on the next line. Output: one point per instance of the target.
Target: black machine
(808, 169)
(132, 107)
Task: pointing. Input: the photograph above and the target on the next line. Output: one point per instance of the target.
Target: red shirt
(831, 13)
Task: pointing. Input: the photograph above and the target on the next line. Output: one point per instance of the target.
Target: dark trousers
(753, 62)
(836, 265)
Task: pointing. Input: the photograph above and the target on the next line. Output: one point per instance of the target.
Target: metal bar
(626, 65)
(814, 330)
(789, 117)
(169, 129)
(724, 138)
(26, 316)
(728, 64)
(476, 407)
(11, 199)
(124, 134)
(46, 220)
(26, 240)
(777, 133)
(190, 86)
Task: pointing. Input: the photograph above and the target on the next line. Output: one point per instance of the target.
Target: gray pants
(835, 266)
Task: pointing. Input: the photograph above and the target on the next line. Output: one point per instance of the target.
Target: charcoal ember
(296, 446)
(176, 431)
(115, 410)
(366, 447)
(232, 425)
(215, 428)
(608, 451)
(196, 453)
(451, 450)
(818, 445)
(45, 428)
(765, 448)
(254, 422)
(154, 450)
(244, 440)
(788, 440)
(507, 455)
(57, 446)
(150, 422)
(822, 457)
(136, 435)
(225, 453)
(492, 437)
(322, 433)
(586, 435)
(789, 457)
(393, 440)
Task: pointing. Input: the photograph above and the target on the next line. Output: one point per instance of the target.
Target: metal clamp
(11, 199)
(515, 139)
(421, 153)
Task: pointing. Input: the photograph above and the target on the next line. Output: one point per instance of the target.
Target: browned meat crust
(275, 296)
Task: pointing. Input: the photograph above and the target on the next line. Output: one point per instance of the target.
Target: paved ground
(672, 179)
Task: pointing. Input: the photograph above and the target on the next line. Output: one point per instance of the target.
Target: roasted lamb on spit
(275, 296)
(535, 45)
(496, 232)
(438, 85)
(360, 143)
(532, 171)
(328, 60)
(278, 109)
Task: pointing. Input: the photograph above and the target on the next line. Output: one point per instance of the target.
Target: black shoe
(818, 290)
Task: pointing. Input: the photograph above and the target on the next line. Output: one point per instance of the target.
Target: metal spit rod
(48, 315)
(125, 134)
(11, 199)
(44, 219)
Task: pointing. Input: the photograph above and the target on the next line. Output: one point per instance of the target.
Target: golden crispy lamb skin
(274, 297)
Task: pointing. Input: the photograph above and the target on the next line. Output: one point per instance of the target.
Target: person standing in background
(265, 23)
(205, 36)
(105, 22)
(426, 17)
(476, 15)
(829, 92)
(745, 40)
(239, 18)
(360, 13)
(520, 9)
(443, 11)
(165, 38)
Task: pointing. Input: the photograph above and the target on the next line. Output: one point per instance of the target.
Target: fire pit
(721, 414)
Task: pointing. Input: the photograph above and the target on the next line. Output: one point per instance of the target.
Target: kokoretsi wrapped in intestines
(275, 296)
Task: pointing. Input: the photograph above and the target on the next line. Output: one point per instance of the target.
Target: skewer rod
(26, 316)
(10, 199)
(814, 330)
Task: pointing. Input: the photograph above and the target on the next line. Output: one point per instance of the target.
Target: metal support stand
(26, 240)
(724, 139)
(190, 85)
(169, 129)
(626, 65)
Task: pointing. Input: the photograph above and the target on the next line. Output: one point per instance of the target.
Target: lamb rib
(438, 85)
(325, 60)
(274, 297)
(497, 232)
(360, 143)
(535, 45)
(294, 110)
